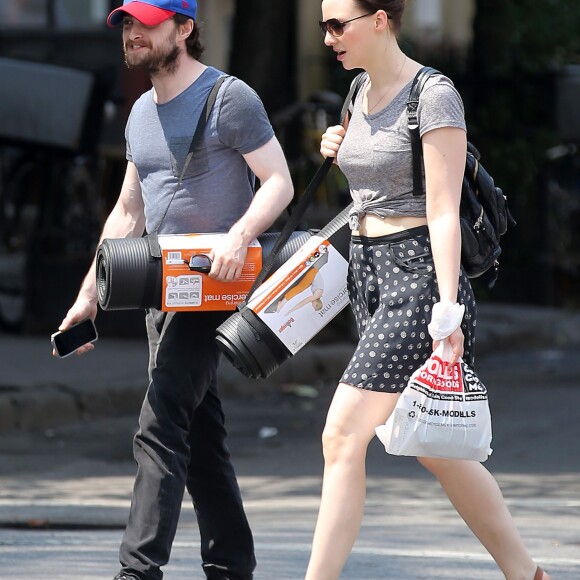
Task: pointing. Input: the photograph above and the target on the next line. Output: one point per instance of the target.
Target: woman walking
(404, 274)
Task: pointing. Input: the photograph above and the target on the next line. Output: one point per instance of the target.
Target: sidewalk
(65, 485)
(39, 391)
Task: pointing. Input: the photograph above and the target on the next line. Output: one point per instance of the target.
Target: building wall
(216, 18)
(428, 23)
(311, 51)
(437, 22)
(89, 44)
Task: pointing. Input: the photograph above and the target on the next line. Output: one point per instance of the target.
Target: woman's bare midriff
(373, 226)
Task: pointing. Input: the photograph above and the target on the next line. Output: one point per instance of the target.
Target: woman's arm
(444, 153)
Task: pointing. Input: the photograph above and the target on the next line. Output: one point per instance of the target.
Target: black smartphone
(65, 342)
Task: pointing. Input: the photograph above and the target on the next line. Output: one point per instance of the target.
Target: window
(53, 14)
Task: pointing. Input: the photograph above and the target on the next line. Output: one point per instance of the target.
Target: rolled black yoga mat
(248, 343)
(128, 277)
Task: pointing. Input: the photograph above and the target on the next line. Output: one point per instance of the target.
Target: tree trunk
(263, 48)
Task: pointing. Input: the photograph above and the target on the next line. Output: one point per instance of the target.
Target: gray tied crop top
(375, 155)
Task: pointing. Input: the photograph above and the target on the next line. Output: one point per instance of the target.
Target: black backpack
(483, 212)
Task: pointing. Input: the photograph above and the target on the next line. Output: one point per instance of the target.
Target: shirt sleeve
(243, 123)
(440, 105)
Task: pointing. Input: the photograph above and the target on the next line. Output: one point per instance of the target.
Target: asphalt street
(65, 488)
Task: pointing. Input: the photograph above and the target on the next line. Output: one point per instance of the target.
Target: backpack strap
(153, 238)
(413, 124)
(355, 87)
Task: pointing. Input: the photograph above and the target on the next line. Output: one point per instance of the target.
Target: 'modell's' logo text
(439, 375)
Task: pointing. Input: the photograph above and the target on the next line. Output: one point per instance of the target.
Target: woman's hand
(331, 140)
(456, 341)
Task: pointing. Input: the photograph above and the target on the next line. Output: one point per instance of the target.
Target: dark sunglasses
(200, 263)
(335, 27)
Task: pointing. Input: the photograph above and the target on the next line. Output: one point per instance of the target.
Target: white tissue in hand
(445, 319)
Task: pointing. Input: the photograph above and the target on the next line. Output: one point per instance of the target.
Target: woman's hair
(317, 304)
(193, 42)
(394, 9)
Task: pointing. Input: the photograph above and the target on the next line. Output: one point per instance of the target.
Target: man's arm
(269, 165)
(127, 219)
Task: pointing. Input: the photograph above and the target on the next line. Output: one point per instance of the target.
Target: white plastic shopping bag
(443, 412)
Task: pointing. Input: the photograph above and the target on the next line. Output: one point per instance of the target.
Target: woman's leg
(476, 496)
(350, 425)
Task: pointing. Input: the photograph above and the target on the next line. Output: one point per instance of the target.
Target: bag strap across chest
(152, 237)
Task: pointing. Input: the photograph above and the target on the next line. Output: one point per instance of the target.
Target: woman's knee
(340, 445)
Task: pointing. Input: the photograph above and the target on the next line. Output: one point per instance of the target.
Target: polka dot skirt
(392, 288)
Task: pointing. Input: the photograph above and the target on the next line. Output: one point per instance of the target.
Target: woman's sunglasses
(335, 27)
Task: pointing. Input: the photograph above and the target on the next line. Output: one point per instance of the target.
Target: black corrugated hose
(248, 343)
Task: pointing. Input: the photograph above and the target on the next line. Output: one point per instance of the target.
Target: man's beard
(156, 60)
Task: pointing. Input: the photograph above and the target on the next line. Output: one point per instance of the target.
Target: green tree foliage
(510, 92)
(263, 49)
(527, 36)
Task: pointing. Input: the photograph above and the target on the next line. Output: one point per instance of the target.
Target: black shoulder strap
(355, 86)
(152, 238)
(413, 124)
(306, 198)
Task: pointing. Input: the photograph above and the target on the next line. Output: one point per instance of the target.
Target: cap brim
(145, 13)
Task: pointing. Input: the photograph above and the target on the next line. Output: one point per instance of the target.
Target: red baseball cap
(152, 12)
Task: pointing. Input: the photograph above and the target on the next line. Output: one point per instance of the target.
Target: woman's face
(353, 45)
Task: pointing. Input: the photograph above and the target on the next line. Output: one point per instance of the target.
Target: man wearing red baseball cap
(152, 12)
(181, 442)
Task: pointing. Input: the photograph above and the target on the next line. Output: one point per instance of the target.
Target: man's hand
(228, 259)
(80, 310)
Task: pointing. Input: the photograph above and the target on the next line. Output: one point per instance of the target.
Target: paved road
(64, 492)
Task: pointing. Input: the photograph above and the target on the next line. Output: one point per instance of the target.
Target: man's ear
(186, 29)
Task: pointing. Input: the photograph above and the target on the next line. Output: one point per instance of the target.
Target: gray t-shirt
(376, 157)
(218, 186)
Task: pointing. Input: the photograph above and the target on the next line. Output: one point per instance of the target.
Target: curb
(114, 380)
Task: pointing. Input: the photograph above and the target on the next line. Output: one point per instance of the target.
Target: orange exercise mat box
(187, 290)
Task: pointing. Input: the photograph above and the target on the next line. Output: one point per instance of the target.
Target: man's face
(151, 48)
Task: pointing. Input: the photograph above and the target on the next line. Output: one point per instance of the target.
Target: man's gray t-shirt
(376, 157)
(218, 186)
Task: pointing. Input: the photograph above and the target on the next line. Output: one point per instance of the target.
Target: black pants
(181, 443)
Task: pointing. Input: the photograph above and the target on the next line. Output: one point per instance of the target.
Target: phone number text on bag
(454, 413)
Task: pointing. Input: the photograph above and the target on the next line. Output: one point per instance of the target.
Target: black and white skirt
(392, 288)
